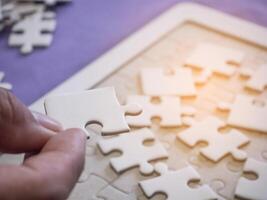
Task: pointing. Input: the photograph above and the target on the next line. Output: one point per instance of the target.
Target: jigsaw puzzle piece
(257, 78)
(253, 189)
(134, 152)
(219, 145)
(47, 2)
(88, 190)
(247, 112)
(29, 32)
(4, 85)
(168, 109)
(112, 193)
(167, 81)
(175, 184)
(91, 106)
(211, 58)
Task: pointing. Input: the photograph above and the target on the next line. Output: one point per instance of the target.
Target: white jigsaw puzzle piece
(175, 184)
(258, 78)
(253, 189)
(134, 152)
(91, 106)
(219, 145)
(211, 58)
(111, 193)
(167, 81)
(47, 2)
(247, 112)
(29, 32)
(4, 85)
(168, 109)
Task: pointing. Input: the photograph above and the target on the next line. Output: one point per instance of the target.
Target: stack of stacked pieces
(31, 22)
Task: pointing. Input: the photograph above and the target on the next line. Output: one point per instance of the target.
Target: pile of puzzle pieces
(107, 173)
(31, 22)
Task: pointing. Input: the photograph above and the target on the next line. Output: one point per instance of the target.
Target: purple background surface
(88, 28)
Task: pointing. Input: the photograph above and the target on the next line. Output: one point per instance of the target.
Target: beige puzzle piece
(219, 144)
(168, 109)
(167, 81)
(76, 110)
(211, 58)
(253, 189)
(175, 184)
(247, 112)
(4, 85)
(111, 193)
(134, 152)
(257, 78)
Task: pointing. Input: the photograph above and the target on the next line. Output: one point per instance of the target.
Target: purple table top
(88, 28)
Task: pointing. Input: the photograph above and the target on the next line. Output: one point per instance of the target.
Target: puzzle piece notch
(91, 106)
(246, 112)
(33, 30)
(219, 145)
(134, 152)
(175, 184)
(4, 85)
(253, 189)
(257, 78)
(211, 58)
(168, 109)
(171, 81)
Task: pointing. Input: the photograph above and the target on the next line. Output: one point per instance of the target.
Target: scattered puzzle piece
(92, 106)
(247, 112)
(168, 109)
(4, 85)
(175, 184)
(219, 145)
(88, 190)
(47, 2)
(134, 152)
(29, 32)
(258, 80)
(253, 189)
(111, 193)
(211, 58)
(167, 81)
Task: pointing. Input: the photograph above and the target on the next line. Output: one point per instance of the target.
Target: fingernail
(48, 122)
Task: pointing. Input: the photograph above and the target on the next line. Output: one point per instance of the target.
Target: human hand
(53, 171)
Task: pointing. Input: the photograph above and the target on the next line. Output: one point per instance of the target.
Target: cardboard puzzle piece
(168, 109)
(175, 184)
(91, 106)
(134, 152)
(111, 193)
(257, 78)
(167, 81)
(29, 32)
(47, 2)
(219, 144)
(253, 189)
(4, 85)
(211, 58)
(88, 190)
(247, 112)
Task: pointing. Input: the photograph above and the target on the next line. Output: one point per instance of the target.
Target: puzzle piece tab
(211, 58)
(91, 106)
(219, 144)
(175, 184)
(168, 109)
(167, 81)
(134, 151)
(247, 112)
(29, 32)
(253, 189)
(257, 78)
